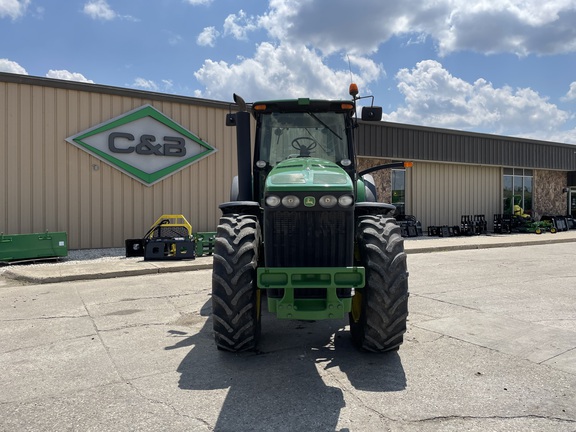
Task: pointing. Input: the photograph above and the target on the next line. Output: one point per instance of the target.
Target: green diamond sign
(143, 143)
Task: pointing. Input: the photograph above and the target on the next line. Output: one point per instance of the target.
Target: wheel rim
(357, 306)
(258, 303)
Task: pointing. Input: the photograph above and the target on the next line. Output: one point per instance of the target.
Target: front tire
(380, 309)
(235, 297)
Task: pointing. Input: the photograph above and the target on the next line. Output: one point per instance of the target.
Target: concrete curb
(54, 273)
(449, 248)
(69, 273)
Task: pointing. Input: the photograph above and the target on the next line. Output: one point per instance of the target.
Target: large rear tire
(380, 309)
(235, 297)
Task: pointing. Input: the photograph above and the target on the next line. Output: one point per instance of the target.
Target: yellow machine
(171, 238)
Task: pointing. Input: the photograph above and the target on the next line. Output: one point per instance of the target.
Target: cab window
(292, 135)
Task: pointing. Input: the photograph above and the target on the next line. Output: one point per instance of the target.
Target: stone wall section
(548, 196)
(382, 178)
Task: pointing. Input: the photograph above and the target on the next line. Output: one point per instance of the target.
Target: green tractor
(304, 230)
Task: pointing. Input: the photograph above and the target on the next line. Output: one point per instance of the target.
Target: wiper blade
(323, 124)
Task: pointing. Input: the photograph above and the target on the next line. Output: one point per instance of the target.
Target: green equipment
(524, 223)
(304, 229)
(16, 248)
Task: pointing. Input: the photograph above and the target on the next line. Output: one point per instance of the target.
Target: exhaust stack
(244, 152)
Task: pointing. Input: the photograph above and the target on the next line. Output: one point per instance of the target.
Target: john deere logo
(309, 201)
(143, 143)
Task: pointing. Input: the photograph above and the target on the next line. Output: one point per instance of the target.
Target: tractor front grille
(309, 238)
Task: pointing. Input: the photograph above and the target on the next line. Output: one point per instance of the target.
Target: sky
(505, 67)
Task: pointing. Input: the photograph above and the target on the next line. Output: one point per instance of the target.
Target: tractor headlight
(345, 200)
(327, 201)
(290, 201)
(272, 201)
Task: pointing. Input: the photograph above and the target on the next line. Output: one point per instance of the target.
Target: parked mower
(524, 223)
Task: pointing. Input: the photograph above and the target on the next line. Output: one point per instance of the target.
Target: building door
(572, 201)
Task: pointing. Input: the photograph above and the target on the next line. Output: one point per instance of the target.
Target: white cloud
(433, 97)
(199, 2)
(281, 16)
(208, 37)
(173, 38)
(517, 26)
(239, 25)
(38, 12)
(489, 26)
(568, 136)
(13, 8)
(100, 9)
(281, 71)
(66, 75)
(571, 95)
(145, 84)
(164, 86)
(11, 67)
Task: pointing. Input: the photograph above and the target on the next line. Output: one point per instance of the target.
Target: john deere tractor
(303, 230)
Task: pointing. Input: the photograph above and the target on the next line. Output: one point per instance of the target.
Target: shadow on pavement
(284, 385)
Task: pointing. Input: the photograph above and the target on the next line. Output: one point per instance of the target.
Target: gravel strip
(76, 257)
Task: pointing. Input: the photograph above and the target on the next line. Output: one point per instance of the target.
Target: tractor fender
(374, 208)
(241, 207)
(370, 188)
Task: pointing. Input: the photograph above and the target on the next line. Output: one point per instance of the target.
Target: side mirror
(373, 113)
(230, 119)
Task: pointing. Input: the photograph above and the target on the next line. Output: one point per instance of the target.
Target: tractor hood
(308, 174)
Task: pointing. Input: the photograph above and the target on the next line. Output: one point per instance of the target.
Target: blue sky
(495, 66)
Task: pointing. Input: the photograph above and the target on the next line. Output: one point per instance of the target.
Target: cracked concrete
(490, 347)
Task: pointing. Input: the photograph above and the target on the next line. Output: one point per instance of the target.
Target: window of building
(399, 190)
(517, 190)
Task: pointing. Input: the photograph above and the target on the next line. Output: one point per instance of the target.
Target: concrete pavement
(491, 346)
(53, 272)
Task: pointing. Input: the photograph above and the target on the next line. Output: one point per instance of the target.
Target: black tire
(380, 309)
(235, 297)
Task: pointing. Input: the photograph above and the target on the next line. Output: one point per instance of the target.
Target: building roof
(98, 88)
(410, 142)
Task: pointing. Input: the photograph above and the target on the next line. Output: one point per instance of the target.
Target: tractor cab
(302, 128)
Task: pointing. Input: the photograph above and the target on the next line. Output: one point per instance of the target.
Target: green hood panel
(308, 174)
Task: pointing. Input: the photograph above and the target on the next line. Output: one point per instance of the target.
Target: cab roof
(303, 105)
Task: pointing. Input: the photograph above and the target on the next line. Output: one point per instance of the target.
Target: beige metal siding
(439, 194)
(49, 184)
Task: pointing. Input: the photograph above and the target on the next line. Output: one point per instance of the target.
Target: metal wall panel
(48, 184)
(383, 139)
(439, 194)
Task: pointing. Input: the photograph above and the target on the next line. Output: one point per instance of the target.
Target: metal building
(103, 163)
(464, 173)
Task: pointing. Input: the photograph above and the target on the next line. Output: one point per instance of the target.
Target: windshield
(291, 135)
